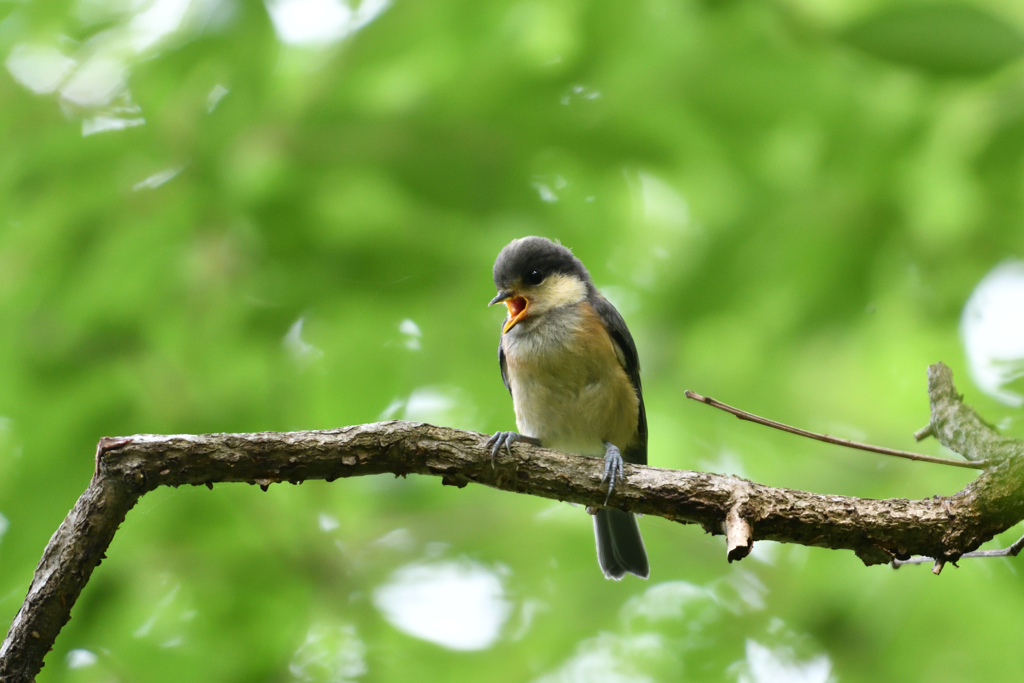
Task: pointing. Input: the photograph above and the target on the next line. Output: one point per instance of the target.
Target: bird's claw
(613, 468)
(500, 439)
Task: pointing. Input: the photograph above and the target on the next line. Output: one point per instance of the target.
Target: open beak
(517, 306)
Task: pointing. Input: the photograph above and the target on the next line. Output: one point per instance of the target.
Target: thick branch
(958, 427)
(74, 550)
(877, 530)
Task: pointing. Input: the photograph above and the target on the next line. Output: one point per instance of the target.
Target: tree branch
(876, 530)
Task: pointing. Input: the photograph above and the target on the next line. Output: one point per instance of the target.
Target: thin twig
(1011, 551)
(923, 433)
(750, 417)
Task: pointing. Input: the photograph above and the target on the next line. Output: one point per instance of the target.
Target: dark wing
(503, 364)
(616, 326)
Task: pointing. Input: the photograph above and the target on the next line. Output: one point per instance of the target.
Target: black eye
(534, 277)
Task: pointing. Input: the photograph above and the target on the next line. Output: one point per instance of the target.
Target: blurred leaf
(941, 39)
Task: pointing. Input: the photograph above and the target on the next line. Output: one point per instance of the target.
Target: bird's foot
(613, 468)
(506, 439)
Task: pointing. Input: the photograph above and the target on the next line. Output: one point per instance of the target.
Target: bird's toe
(613, 468)
(500, 439)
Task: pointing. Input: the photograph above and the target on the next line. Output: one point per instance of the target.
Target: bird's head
(535, 275)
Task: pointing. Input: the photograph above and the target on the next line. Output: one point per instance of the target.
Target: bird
(571, 366)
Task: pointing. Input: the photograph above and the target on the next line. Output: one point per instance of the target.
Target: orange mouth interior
(516, 305)
(516, 310)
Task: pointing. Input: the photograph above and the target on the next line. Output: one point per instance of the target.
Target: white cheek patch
(558, 290)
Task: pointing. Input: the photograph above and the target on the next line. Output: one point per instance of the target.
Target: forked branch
(876, 530)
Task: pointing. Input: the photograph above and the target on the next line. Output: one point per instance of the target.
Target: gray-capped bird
(569, 362)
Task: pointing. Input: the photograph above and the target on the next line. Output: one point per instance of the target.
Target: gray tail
(620, 548)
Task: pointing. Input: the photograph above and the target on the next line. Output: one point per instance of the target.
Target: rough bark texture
(876, 530)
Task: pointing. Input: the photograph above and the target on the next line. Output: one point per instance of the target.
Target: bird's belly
(568, 423)
(575, 405)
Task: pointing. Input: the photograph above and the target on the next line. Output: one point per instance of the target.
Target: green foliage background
(790, 201)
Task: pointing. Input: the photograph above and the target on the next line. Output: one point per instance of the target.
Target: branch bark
(943, 528)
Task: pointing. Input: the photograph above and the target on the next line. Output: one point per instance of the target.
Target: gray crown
(522, 256)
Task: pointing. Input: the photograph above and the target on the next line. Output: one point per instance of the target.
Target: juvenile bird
(571, 366)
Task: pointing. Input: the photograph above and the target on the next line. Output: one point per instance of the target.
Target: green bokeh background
(790, 201)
